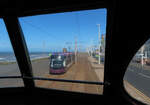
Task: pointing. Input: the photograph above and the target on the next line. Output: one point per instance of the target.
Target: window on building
(68, 46)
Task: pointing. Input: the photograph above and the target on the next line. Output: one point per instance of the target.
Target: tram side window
(137, 76)
(67, 46)
(8, 64)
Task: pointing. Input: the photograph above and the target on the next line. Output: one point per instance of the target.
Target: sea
(10, 57)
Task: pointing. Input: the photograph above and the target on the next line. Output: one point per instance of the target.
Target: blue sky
(52, 32)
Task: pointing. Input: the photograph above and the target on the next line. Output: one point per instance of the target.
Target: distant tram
(60, 62)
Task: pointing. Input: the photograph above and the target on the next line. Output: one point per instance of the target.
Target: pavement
(138, 81)
(98, 68)
(133, 91)
(139, 78)
(86, 69)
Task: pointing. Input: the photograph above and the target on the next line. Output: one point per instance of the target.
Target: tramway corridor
(81, 70)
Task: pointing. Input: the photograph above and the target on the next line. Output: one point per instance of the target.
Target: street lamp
(99, 60)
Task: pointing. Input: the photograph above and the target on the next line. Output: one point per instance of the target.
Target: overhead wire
(77, 22)
(42, 30)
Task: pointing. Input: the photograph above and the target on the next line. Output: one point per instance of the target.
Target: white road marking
(144, 75)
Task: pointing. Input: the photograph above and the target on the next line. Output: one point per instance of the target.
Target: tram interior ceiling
(127, 29)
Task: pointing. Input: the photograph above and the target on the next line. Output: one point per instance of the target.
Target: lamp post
(99, 60)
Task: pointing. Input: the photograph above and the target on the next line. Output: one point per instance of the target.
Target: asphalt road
(40, 68)
(80, 71)
(139, 77)
(136, 75)
(9, 70)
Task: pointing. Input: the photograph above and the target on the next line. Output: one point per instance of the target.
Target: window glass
(8, 64)
(66, 46)
(137, 76)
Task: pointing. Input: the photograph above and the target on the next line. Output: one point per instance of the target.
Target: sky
(52, 32)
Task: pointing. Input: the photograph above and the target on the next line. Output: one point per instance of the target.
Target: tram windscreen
(57, 57)
(56, 64)
(54, 56)
(68, 46)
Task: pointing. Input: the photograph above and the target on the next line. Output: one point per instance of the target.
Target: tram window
(66, 46)
(8, 64)
(137, 76)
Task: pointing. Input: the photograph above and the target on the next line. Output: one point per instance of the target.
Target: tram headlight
(64, 63)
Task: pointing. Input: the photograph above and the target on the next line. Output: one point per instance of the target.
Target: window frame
(111, 30)
(66, 80)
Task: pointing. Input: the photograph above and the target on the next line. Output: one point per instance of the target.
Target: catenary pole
(99, 43)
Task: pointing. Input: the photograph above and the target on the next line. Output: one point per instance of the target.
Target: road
(139, 77)
(40, 68)
(135, 75)
(80, 71)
